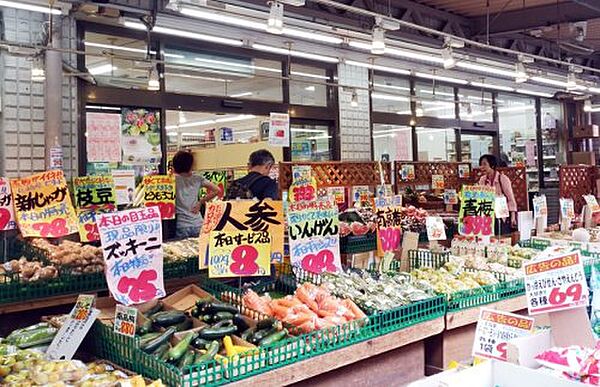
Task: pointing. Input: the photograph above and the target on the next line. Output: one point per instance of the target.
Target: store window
(310, 142)
(216, 74)
(473, 146)
(105, 61)
(434, 101)
(391, 95)
(436, 144)
(475, 105)
(218, 140)
(392, 142)
(553, 146)
(516, 119)
(308, 85)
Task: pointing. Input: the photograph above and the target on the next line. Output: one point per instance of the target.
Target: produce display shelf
(355, 244)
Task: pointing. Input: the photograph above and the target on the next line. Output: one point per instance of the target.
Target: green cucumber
(160, 351)
(220, 316)
(34, 327)
(179, 349)
(34, 338)
(201, 302)
(222, 323)
(273, 338)
(248, 333)
(200, 343)
(212, 333)
(259, 335)
(153, 344)
(187, 359)
(155, 309)
(214, 307)
(195, 312)
(144, 339)
(211, 351)
(168, 318)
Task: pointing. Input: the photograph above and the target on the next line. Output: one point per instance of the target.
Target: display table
(393, 359)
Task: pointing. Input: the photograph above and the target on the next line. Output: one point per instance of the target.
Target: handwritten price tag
(125, 320)
(592, 203)
(494, 329)
(476, 216)
(242, 253)
(556, 283)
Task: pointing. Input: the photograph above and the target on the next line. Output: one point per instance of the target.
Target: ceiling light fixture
(38, 74)
(536, 93)
(520, 73)
(153, 79)
(354, 99)
(299, 54)
(275, 21)
(243, 94)
(102, 69)
(485, 69)
(378, 38)
(493, 87)
(388, 97)
(30, 7)
(185, 34)
(449, 61)
(393, 70)
(441, 78)
(549, 81)
(572, 81)
(128, 49)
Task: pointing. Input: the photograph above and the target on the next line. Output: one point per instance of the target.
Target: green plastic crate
(472, 298)
(187, 267)
(425, 258)
(119, 349)
(354, 244)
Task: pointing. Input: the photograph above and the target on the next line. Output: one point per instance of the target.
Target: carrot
(303, 295)
(278, 310)
(358, 313)
(299, 319)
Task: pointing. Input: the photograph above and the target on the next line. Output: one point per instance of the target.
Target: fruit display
(310, 308)
(28, 271)
(448, 280)
(180, 250)
(357, 221)
(77, 257)
(374, 292)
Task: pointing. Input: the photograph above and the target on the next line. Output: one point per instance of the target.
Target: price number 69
(557, 297)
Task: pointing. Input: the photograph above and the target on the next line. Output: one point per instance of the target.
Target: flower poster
(140, 136)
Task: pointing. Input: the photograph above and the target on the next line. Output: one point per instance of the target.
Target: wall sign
(389, 217)
(93, 194)
(279, 129)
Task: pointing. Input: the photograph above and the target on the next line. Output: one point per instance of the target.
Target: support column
(53, 92)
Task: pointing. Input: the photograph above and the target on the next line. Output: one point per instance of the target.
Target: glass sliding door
(473, 146)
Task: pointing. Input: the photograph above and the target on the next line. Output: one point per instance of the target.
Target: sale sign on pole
(243, 215)
(556, 283)
(93, 194)
(540, 207)
(389, 217)
(239, 254)
(494, 329)
(43, 205)
(159, 190)
(476, 216)
(313, 229)
(7, 213)
(131, 242)
(567, 208)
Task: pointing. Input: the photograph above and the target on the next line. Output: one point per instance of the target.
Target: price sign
(436, 231)
(567, 208)
(494, 329)
(304, 186)
(437, 181)
(592, 203)
(240, 253)
(501, 208)
(361, 193)
(464, 171)
(7, 212)
(407, 172)
(388, 218)
(131, 243)
(476, 216)
(43, 205)
(313, 230)
(125, 320)
(540, 207)
(218, 178)
(159, 191)
(556, 283)
(450, 197)
(338, 194)
(93, 194)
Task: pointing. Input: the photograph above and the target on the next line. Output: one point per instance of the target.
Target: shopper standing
(502, 185)
(187, 203)
(257, 183)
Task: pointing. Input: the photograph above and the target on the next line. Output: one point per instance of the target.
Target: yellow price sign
(239, 254)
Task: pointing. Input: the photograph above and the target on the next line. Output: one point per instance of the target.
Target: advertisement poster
(103, 137)
(218, 178)
(495, 329)
(555, 283)
(464, 171)
(540, 207)
(450, 197)
(159, 191)
(7, 212)
(131, 243)
(239, 254)
(304, 185)
(244, 215)
(338, 194)
(437, 181)
(140, 136)
(313, 229)
(361, 193)
(476, 215)
(279, 129)
(389, 217)
(93, 195)
(124, 180)
(407, 172)
(43, 205)
(436, 230)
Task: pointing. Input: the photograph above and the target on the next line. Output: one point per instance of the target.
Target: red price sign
(318, 263)
(303, 193)
(125, 320)
(556, 283)
(56, 228)
(243, 260)
(5, 217)
(477, 225)
(494, 329)
(389, 238)
(166, 209)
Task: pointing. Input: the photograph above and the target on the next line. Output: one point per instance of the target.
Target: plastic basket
(187, 267)
(484, 295)
(353, 244)
(426, 258)
(119, 349)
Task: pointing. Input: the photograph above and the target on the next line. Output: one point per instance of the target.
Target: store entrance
(474, 145)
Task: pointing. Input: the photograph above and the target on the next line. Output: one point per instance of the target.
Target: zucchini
(273, 338)
(148, 336)
(200, 343)
(259, 335)
(212, 333)
(201, 302)
(153, 344)
(187, 359)
(219, 316)
(222, 323)
(248, 334)
(185, 325)
(144, 328)
(178, 350)
(168, 318)
(211, 351)
(160, 351)
(266, 323)
(155, 309)
(195, 312)
(214, 307)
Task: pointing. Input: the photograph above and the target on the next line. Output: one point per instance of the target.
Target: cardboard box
(584, 131)
(185, 298)
(586, 158)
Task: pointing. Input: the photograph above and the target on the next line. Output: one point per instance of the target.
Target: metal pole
(53, 91)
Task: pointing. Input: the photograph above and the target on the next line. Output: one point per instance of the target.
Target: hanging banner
(93, 194)
(279, 129)
(103, 137)
(555, 283)
(464, 171)
(218, 178)
(476, 215)
(140, 136)
(159, 191)
(7, 212)
(389, 216)
(567, 208)
(407, 172)
(313, 230)
(450, 197)
(131, 242)
(43, 205)
(540, 208)
(501, 207)
(592, 203)
(437, 181)
(239, 254)
(244, 215)
(495, 329)
(436, 230)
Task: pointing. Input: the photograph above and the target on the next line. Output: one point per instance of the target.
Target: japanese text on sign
(159, 190)
(93, 194)
(437, 181)
(567, 208)
(304, 186)
(476, 216)
(450, 197)
(407, 172)
(7, 213)
(218, 178)
(436, 230)
(132, 247)
(592, 203)
(313, 229)
(244, 215)
(239, 253)
(540, 207)
(555, 283)
(389, 219)
(125, 320)
(43, 206)
(495, 329)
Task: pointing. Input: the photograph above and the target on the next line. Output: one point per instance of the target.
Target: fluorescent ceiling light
(388, 97)
(128, 49)
(308, 35)
(391, 87)
(378, 42)
(404, 112)
(395, 130)
(536, 93)
(318, 137)
(172, 133)
(549, 81)
(234, 64)
(185, 34)
(244, 94)
(102, 107)
(515, 109)
(310, 88)
(572, 81)
(101, 69)
(441, 78)
(437, 92)
(192, 134)
(378, 67)
(30, 7)
(493, 87)
(485, 69)
(299, 54)
(594, 90)
(275, 21)
(308, 75)
(399, 52)
(191, 124)
(302, 130)
(240, 117)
